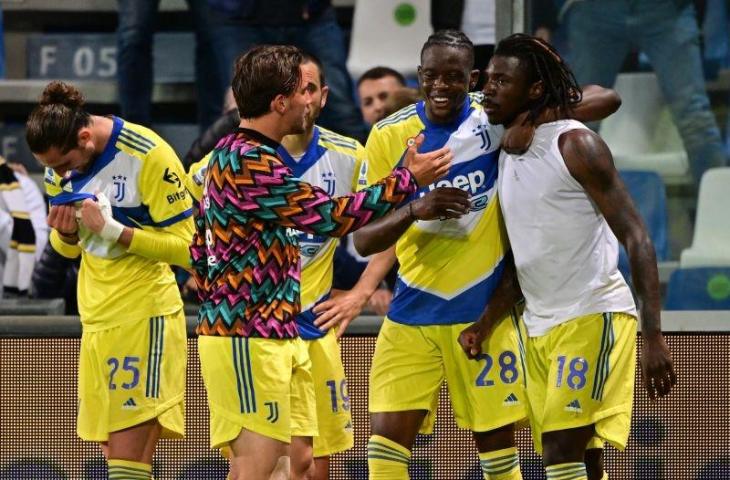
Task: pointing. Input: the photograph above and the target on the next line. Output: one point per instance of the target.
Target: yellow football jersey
(143, 179)
(448, 269)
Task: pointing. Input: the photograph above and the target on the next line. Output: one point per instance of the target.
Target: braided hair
(542, 63)
(450, 38)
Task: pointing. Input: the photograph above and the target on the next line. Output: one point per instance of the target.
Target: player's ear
(84, 136)
(536, 90)
(325, 93)
(279, 104)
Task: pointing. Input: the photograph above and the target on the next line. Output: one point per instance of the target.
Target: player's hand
(441, 203)
(472, 337)
(62, 218)
(379, 301)
(657, 367)
(427, 167)
(339, 310)
(97, 217)
(518, 138)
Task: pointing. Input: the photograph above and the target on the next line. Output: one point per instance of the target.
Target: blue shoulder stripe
(136, 136)
(132, 145)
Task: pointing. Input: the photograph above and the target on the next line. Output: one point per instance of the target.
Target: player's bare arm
(440, 203)
(342, 309)
(505, 296)
(596, 104)
(589, 161)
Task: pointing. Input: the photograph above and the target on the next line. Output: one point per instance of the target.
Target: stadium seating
(699, 289)
(649, 195)
(388, 33)
(711, 242)
(642, 134)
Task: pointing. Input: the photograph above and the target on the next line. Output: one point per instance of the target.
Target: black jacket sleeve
(208, 140)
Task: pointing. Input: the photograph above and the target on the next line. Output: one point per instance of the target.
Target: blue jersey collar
(466, 109)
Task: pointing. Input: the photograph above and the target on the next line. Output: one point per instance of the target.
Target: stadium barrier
(685, 436)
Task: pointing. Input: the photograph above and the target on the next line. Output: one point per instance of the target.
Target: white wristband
(112, 230)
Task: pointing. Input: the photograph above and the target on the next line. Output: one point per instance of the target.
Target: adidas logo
(511, 400)
(348, 427)
(129, 404)
(574, 406)
(68, 187)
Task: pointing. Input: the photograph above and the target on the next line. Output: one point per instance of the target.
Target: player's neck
(101, 132)
(298, 144)
(267, 125)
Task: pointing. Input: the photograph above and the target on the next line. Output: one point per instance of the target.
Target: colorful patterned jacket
(245, 257)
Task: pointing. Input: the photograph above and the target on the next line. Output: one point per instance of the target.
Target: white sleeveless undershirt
(566, 254)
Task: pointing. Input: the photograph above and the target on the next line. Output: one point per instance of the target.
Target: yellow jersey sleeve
(195, 178)
(380, 155)
(164, 191)
(163, 188)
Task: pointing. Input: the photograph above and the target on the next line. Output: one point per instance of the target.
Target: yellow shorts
(582, 373)
(262, 385)
(333, 403)
(132, 373)
(411, 362)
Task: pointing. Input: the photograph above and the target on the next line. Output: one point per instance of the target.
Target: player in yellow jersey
(117, 199)
(448, 270)
(331, 162)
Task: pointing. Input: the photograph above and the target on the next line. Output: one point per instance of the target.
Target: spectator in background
(374, 87)
(23, 229)
(237, 25)
(137, 20)
(601, 33)
(476, 18)
(401, 99)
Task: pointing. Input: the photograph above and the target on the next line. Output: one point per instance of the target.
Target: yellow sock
(567, 471)
(128, 470)
(501, 464)
(605, 476)
(387, 460)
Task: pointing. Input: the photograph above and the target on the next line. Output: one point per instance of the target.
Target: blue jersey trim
(80, 179)
(466, 109)
(305, 322)
(411, 306)
(314, 152)
(140, 216)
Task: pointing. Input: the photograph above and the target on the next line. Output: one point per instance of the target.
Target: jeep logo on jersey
(474, 182)
(120, 184)
(310, 244)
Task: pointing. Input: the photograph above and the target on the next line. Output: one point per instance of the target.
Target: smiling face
(507, 91)
(445, 76)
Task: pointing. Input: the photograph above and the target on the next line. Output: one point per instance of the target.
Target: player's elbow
(613, 101)
(364, 243)
(637, 241)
